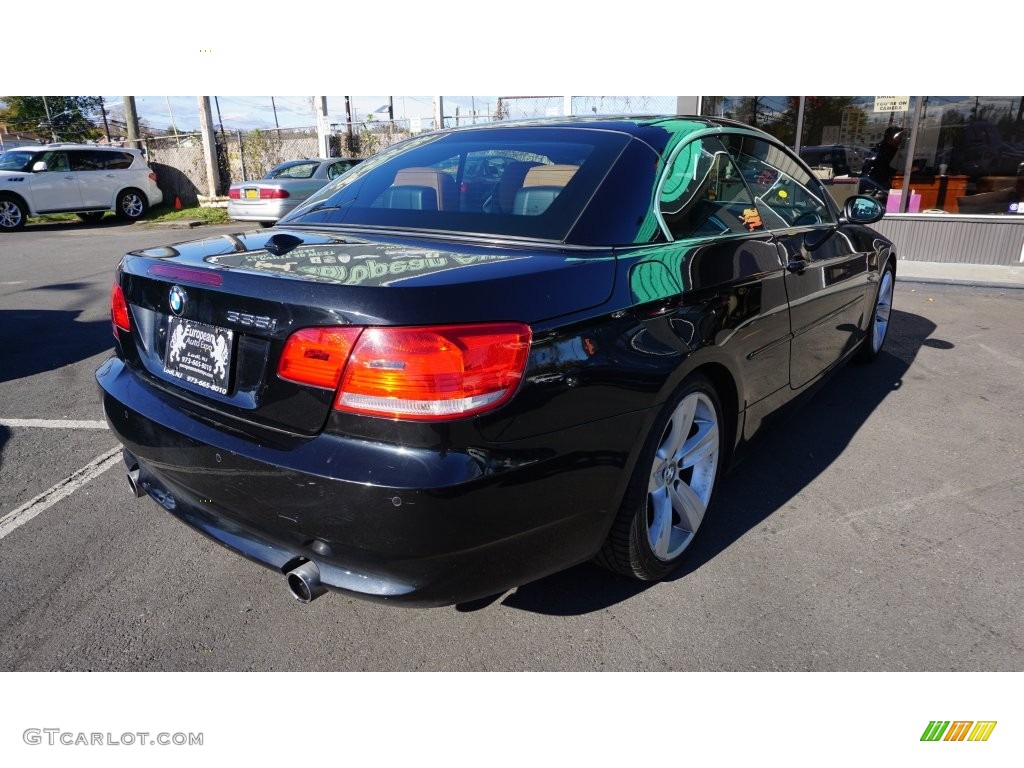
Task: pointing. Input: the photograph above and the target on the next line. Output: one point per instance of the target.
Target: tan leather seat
(549, 175)
(543, 183)
(440, 182)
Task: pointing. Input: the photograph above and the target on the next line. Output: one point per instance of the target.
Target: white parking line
(65, 487)
(53, 423)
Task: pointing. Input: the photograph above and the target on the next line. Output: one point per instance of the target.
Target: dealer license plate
(199, 354)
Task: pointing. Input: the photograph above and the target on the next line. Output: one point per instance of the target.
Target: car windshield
(15, 160)
(531, 182)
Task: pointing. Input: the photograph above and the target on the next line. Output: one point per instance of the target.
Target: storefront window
(968, 153)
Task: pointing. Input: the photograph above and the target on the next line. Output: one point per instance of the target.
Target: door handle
(797, 265)
(69, 177)
(111, 176)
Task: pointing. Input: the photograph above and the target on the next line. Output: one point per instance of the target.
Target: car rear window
(298, 171)
(521, 182)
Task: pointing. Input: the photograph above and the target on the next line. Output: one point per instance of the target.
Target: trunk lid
(211, 317)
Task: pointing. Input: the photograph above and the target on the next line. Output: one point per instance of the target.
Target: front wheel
(878, 327)
(671, 487)
(12, 214)
(131, 205)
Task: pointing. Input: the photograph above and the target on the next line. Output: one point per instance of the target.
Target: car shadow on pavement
(38, 340)
(61, 226)
(844, 403)
(5, 435)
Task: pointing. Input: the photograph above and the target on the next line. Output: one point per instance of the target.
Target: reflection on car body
(285, 187)
(470, 372)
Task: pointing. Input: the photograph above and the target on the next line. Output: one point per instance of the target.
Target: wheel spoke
(702, 446)
(679, 429)
(659, 533)
(688, 505)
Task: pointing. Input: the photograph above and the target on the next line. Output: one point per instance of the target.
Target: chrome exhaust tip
(304, 582)
(133, 482)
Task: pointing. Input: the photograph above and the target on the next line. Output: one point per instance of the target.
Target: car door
(728, 261)
(97, 181)
(826, 276)
(56, 188)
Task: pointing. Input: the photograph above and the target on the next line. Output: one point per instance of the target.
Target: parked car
(839, 159)
(84, 179)
(405, 398)
(283, 188)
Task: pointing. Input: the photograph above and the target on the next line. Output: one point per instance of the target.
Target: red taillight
(234, 194)
(152, 176)
(434, 373)
(273, 194)
(424, 374)
(316, 356)
(119, 310)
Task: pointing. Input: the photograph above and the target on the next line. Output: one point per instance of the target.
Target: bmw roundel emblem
(177, 300)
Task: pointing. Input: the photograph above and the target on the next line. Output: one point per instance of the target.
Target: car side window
(785, 194)
(334, 170)
(56, 161)
(116, 161)
(86, 160)
(703, 194)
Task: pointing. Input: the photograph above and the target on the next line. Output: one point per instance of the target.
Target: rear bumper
(260, 210)
(475, 523)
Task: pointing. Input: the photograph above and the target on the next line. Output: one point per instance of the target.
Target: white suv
(84, 179)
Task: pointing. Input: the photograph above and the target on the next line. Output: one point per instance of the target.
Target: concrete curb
(979, 275)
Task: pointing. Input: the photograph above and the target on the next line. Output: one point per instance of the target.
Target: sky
(248, 112)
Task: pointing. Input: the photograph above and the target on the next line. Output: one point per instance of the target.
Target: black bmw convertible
(487, 354)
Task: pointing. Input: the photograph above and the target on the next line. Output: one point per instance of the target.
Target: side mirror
(39, 166)
(862, 209)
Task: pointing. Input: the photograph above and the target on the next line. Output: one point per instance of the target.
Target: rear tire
(131, 205)
(12, 213)
(671, 487)
(267, 224)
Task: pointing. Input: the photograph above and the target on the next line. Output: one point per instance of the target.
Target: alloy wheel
(682, 476)
(132, 205)
(11, 216)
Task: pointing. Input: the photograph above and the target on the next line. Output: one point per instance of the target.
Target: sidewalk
(984, 275)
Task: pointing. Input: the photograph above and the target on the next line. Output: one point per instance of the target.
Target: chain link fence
(179, 165)
(365, 138)
(623, 105)
(248, 155)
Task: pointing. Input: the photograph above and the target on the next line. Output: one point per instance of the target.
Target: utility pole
(219, 121)
(131, 120)
(323, 127)
(391, 109)
(348, 123)
(106, 128)
(277, 125)
(438, 113)
(209, 146)
(49, 120)
(174, 128)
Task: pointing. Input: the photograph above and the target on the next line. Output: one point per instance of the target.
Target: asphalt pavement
(881, 529)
